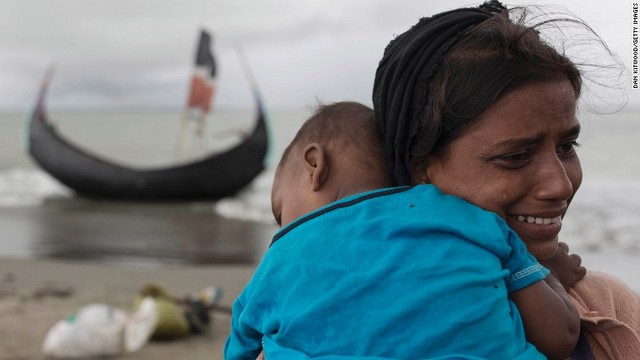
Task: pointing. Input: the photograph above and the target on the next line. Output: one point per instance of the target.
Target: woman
(479, 105)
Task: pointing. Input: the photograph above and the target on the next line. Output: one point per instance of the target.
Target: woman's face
(518, 160)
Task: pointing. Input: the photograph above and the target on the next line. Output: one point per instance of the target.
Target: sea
(40, 218)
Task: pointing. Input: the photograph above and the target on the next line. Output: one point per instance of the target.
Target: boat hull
(216, 176)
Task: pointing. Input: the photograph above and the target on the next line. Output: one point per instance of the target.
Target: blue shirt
(402, 273)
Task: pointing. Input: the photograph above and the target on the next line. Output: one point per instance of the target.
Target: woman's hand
(565, 267)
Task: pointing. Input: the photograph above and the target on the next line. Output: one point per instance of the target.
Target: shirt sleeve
(243, 342)
(524, 269)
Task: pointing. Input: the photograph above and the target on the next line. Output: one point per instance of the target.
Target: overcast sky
(122, 54)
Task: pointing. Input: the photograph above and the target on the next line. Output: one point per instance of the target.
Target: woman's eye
(568, 148)
(514, 160)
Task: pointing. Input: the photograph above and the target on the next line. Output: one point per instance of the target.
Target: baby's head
(336, 153)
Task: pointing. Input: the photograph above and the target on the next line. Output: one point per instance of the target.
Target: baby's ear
(315, 165)
(420, 170)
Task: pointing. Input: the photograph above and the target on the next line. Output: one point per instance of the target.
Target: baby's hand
(565, 267)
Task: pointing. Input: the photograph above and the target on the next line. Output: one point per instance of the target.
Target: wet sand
(105, 252)
(130, 232)
(26, 317)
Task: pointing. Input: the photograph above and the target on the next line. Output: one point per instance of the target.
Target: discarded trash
(172, 322)
(208, 297)
(141, 325)
(101, 330)
(180, 317)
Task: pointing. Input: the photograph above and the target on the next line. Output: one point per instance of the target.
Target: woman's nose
(553, 181)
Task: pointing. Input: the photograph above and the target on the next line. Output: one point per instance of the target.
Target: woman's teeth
(540, 220)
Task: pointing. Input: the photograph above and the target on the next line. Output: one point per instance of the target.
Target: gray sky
(120, 54)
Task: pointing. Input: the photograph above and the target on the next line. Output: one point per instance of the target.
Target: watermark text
(634, 63)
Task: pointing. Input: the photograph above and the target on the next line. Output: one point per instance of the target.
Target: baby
(363, 270)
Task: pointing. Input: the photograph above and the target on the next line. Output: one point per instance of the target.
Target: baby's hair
(344, 125)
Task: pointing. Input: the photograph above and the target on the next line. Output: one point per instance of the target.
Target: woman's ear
(316, 165)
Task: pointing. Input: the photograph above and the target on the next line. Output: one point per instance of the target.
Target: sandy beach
(27, 310)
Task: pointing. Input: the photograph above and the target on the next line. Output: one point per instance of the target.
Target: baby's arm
(550, 319)
(243, 342)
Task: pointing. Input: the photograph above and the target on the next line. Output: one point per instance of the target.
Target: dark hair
(435, 79)
(346, 125)
(493, 58)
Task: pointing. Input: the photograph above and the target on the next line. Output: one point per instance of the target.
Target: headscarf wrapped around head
(409, 63)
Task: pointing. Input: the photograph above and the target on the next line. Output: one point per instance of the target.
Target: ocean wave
(28, 187)
(252, 203)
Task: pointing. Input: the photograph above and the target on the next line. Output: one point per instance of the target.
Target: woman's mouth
(536, 228)
(540, 220)
(539, 233)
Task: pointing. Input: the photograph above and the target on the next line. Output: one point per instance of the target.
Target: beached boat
(214, 176)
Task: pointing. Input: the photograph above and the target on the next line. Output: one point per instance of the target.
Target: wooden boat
(214, 176)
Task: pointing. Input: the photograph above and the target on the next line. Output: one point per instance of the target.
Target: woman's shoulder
(610, 315)
(599, 281)
(607, 295)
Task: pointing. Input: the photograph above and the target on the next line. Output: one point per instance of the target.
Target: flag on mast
(202, 80)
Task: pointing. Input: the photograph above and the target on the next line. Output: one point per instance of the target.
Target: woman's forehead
(540, 107)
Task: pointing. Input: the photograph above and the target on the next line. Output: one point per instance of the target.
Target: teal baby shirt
(399, 273)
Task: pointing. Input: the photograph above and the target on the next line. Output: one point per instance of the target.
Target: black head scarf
(408, 65)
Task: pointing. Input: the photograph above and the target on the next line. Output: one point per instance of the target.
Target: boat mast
(202, 88)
